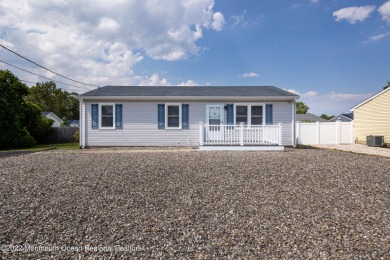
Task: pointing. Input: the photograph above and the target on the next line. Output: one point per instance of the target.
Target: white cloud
(100, 43)
(347, 96)
(243, 21)
(108, 24)
(315, 1)
(189, 83)
(310, 94)
(330, 103)
(238, 18)
(296, 92)
(377, 37)
(249, 75)
(384, 10)
(154, 80)
(334, 102)
(218, 21)
(354, 14)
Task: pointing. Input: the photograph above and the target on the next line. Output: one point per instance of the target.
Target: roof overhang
(188, 98)
(369, 99)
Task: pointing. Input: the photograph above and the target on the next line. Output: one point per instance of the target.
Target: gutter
(188, 98)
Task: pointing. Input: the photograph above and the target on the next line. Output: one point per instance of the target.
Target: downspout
(294, 123)
(82, 123)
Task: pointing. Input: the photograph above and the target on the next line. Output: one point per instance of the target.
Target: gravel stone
(301, 203)
(358, 148)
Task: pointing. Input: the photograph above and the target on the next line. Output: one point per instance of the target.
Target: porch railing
(240, 134)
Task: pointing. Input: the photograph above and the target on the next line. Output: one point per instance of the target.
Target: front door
(215, 129)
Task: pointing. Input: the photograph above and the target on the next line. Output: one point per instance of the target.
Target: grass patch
(41, 147)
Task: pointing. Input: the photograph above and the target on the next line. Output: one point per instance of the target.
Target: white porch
(223, 135)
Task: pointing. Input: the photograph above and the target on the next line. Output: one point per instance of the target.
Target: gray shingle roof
(176, 91)
(309, 118)
(343, 118)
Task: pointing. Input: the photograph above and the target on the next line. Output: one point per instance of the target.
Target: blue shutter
(184, 117)
(95, 116)
(118, 116)
(230, 115)
(268, 114)
(161, 116)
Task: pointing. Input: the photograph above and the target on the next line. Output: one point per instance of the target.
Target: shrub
(77, 135)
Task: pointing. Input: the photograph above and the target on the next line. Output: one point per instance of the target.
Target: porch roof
(198, 91)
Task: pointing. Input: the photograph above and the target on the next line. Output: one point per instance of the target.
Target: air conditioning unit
(375, 140)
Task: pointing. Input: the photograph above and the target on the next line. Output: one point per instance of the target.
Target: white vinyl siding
(140, 125)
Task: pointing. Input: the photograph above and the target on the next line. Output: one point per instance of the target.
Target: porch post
(241, 133)
(201, 133)
(280, 133)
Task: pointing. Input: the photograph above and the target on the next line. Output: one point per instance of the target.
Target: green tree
(52, 99)
(302, 108)
(326, 117)
(12, 108)
(387, 86)
(37, 125)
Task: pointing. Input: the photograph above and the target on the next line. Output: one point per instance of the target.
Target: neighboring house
(52, 116)
(187, 116)
(372, 117)
(309, 118)
(343, 118)
(74, 123)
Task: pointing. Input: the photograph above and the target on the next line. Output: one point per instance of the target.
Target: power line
(47, 68)
(27, 81)
(41, 75)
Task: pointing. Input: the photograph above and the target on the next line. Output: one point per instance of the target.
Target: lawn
(41, 147)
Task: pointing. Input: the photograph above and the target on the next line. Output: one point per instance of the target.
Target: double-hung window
(107, 116)
(242, 115)
(256, 115)
(249, 114)
(173, 116)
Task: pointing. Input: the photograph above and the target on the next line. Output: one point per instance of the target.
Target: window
(241, 115)
(249, 114)
(173, 115)
(256, 115)
(107, 112)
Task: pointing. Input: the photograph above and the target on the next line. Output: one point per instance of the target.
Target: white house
(187, 116)
(54, 117)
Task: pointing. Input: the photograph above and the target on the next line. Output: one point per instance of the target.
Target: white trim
(54, 115)
(166, 115)
(249, 115)
(100, 115)
(369, 99)
(189, 98)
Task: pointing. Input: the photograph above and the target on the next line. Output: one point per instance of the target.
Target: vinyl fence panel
(325, 133)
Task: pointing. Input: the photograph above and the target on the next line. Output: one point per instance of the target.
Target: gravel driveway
(304, 203)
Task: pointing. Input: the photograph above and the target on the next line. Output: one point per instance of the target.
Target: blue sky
(334, 53)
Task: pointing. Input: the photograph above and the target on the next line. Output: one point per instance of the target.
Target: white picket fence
(325, 133)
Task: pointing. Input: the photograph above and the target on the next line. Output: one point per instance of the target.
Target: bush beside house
(21, 122)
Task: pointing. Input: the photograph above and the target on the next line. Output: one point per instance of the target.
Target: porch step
(241, 148)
